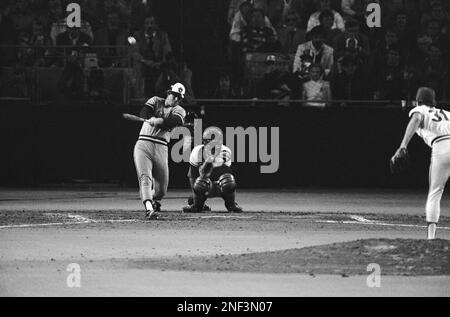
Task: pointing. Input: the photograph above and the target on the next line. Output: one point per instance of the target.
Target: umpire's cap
(426, 96)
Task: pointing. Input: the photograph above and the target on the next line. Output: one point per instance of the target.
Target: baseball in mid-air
(131, 40)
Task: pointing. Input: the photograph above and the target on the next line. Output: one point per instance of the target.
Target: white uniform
(435, 131)
(198, 153)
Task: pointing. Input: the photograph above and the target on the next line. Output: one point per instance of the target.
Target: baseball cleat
(234, 208)
(156, 206)
(191, 209)
(191, 202)
(151, 212)
(151, 215)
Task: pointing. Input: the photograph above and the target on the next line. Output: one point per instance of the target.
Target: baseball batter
(433, 126)
(151, 149)
(210, 173)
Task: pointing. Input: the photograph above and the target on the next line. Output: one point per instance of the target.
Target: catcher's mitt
(400, 161)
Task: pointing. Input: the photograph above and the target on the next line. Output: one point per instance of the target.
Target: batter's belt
(143, 137)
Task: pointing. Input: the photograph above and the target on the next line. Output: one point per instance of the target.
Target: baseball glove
(400, 161)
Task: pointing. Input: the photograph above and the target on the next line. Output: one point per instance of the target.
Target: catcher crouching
(210, 173)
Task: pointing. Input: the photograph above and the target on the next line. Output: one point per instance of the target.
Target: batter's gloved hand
(155, 121)
(189, 118)
(400, 161)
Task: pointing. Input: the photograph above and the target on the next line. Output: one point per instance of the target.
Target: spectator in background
(274, 10)
(235, 7)
(412, 80)
(73, 37)
(313, 52)
(349, 82)
(352, 40)
(353, 9)
(25, 54)
(389, 77)
(139, 11)
(405, 33)
(243, 18)
(316, 88)
(89, 11)
(120, 6)
(303, 8)
(223, 89)
(22, 15)
(432, 30)
(274, 84)
(59, 27)
(152, 46)
(326, 19)
(112, 35)
(257, 37)
(174, 70)
(436, 70)
(439, 14)
(375, 35)
(71, 83)
(39, 40)
(314, 18)
(52, 13)
(291, 35)
(420, 51)
(389, 8)
(71, 40)
(390, 40)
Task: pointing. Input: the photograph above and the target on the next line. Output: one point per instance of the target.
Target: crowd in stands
(330, 52)
(335, 55)
(41, 38)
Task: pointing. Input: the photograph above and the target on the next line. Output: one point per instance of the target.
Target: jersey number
(439, 116)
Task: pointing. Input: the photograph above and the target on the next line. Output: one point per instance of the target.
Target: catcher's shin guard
(201, 189)
(227, 185)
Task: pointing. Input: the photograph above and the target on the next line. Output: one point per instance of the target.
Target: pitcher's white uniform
(435, 131)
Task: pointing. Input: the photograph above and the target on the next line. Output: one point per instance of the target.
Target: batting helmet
(177, 89)
(426, 96)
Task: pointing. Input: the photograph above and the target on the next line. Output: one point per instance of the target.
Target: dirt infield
(320, 244)
(396, 257)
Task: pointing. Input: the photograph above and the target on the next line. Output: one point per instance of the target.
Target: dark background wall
(335, 147)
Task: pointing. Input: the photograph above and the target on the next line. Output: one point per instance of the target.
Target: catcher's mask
(426, 96)
(213, 133)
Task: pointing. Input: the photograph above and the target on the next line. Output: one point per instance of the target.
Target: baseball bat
(131, 117)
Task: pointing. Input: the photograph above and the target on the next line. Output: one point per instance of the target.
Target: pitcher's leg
(439, 174)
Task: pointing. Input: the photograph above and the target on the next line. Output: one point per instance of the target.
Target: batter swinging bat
(131, 117)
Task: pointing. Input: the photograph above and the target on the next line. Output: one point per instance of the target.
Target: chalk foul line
(75, 220)
(359, 220)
